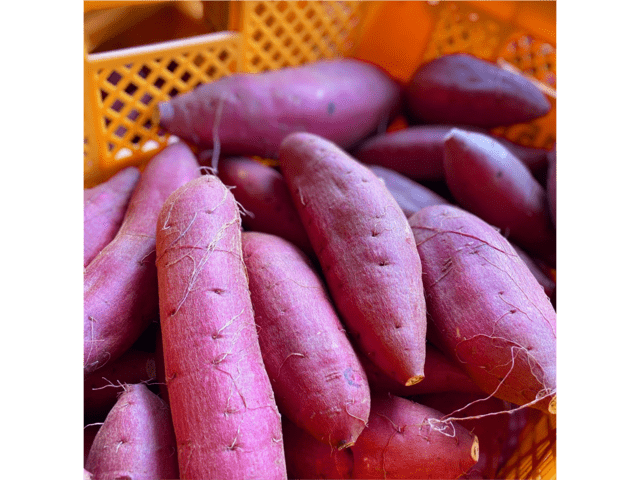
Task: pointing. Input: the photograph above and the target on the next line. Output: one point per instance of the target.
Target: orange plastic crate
(122, 87)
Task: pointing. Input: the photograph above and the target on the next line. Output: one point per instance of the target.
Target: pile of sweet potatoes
(379, 305)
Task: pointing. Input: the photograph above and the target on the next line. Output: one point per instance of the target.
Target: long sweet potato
(316, 376)
(225, 417)
(136, 439)
(488, 181)
(366, 251)
(487, 311)
(104, 209)
(263, 194)
(411, 196)
(342, 100)
(307, 457)
(465, 90)
(406, 440)
(120, 286)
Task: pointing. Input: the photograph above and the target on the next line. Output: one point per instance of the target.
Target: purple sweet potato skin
(487, 311)
(316, 376)
(225, 417)
(101, 388)
(307, 457)
(488, 181)
(462, 89)
(136, 440)
(400, 442)
(120, 286)
(551, 186)
(440, 375)
(104, 209)
(263, 193)
(418, 151)
(342, 100)
(366, 251)
(410, 195)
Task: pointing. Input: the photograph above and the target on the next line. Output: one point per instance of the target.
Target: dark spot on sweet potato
(351, 380)
(218, 291)
(331, 108)
(384, 263)
(499, 174)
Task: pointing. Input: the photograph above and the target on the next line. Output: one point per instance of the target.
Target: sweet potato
(465, 90)
(119, 289)
(316, 376)
(225, 417)
(263, 194)
(488, 181)
(406, 440)
(366, 251)
(418, 151)
(487, 311)
(486, 417)
(104, 209)
(342, 100)
(101, 388)
(551, 186)
(410, 195)
(440, 375)
(136, 439)
(120, 286)
(307, 457)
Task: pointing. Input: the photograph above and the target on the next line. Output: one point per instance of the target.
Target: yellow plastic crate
(123, 86)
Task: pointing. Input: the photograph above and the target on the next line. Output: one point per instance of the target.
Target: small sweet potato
(315, 373)
(487, 312)
(225, 417)
(264, 196)
(418, 151)
(407, 440)
(343, 100)
(104, 209)
(488, 181)
(307, 457)
(366, 251)
(101, 388)
(465, 90)
(120, 285)
(411, 196)
(136, 439)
